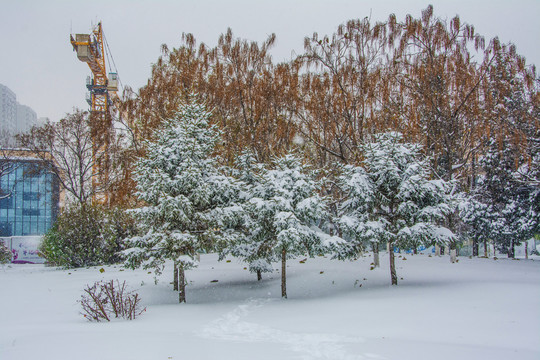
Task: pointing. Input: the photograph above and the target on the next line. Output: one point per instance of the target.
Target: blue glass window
(5, 228)
(31, 195)
(32, 206)
(31, 212)
(6, 203)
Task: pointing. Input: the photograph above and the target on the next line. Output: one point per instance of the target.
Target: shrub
(86, 236)
(5, 253)
(104, 300)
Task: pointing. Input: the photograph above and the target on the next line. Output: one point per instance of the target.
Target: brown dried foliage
(431, 79)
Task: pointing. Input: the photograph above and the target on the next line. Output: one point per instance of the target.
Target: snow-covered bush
(5, 253)
(107, 299)
(85, 236)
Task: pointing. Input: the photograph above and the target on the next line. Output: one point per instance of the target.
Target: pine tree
(356, 221)
(187, 199)
(479, 216)
(512, 202)
(392, 198)
(284, 211)
(509, 182)
(256, 231)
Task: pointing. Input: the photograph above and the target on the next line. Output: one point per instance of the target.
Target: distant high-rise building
(8, 110)
(14, 117)
(26, 118)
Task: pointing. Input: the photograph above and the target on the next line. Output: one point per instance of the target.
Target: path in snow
(232, 327)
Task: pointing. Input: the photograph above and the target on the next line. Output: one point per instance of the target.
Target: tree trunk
(393, 274)
(181, 285)
(475, 248)
(511, 249)
(453, 255)
(284, 273)
(437, 250)
(259, 275)
(527, 249)
(375, 246)
(175, 276)
(485, 248)
(415, 250)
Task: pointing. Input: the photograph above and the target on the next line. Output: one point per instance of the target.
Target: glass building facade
(29, 196)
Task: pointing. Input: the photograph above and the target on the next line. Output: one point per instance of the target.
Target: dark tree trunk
(393, 274)
(284, 273)
(485, 248)
(415, 250)
(181, 285)
(511, 249)
(475, 247)
(175, 276)
(259, 275)
(375, 246)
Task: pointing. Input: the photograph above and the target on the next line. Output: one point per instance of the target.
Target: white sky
(37, 61)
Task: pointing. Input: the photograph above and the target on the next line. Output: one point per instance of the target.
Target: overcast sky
(37, 61)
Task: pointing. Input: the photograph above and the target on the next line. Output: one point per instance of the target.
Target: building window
(5, 228)
(31, 212)
(32, 206)
(6, 203)
(32, 171)
(31, 195)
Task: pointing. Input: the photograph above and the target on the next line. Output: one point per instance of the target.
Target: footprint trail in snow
(232, 327)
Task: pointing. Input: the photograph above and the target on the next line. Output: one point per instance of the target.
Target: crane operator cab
(112, 85)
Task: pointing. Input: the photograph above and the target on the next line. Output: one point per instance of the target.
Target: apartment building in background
(8, 110)
(26, 118)
(14, 117)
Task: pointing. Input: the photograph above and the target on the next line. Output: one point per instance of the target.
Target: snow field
(474, 309)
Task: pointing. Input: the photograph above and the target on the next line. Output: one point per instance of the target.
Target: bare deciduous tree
(68, 144)
(340, 88)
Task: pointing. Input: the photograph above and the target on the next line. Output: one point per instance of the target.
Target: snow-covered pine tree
(356, 221)
(478, 215)
(392, 198)
(187, 199)
(256, 231)
(512, 201)
(284, 211)
(510, 179)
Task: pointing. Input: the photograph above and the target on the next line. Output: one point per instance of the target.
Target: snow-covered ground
(473, 309)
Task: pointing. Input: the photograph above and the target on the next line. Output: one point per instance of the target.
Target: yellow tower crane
(102, 89)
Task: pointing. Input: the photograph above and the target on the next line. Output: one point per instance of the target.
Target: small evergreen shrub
(86, 235)
(110, 299)
(5, 253)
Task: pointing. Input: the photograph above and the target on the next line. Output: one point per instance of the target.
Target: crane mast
(102, 90)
